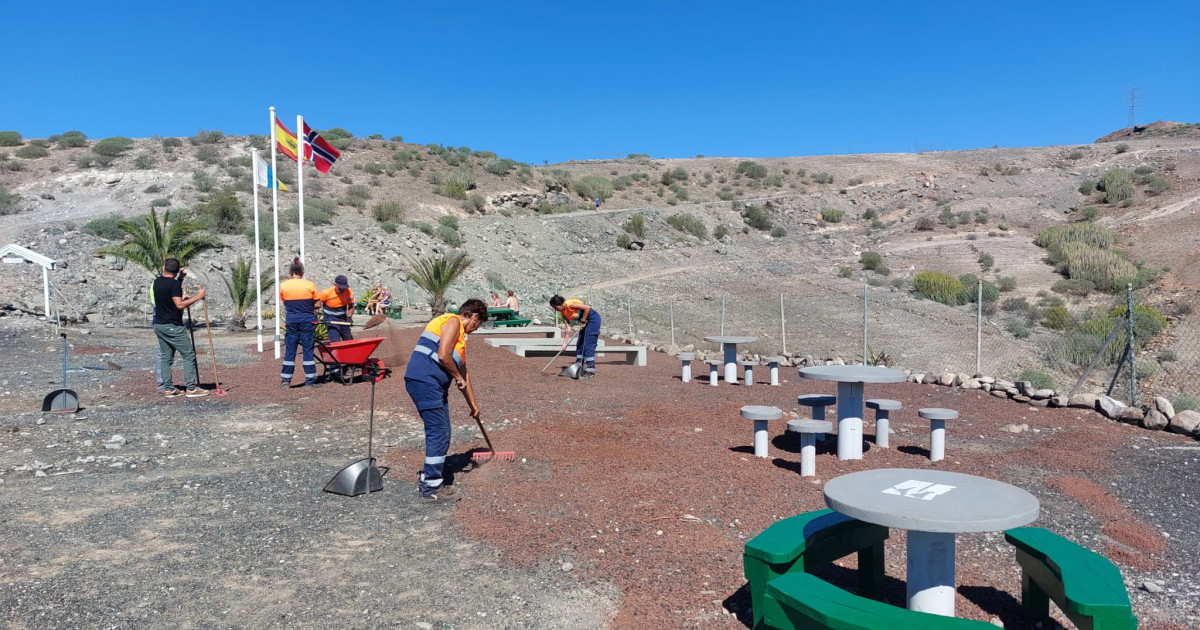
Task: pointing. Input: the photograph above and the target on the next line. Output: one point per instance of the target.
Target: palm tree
(435, 274)
(150, 243)
(240, 290)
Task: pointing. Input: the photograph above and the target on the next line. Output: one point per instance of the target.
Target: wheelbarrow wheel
(374, 369)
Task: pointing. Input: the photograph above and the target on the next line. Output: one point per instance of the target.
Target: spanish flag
(286, 140)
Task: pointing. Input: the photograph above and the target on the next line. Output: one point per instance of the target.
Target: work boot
(444, 494)
(589, 371)
(312, 383)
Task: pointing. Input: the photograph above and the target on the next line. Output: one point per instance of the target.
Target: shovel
(564, 372)
(61, 400)
(572, 370)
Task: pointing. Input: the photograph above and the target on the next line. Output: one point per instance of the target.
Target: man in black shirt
(169, 302)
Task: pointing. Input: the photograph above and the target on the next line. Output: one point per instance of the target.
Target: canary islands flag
(264, 174)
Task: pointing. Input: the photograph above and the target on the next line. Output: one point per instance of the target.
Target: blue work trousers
(304, 334)
(585, 345)
(432, 403)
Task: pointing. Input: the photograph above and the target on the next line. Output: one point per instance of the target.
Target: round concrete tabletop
(720, 339)
(853, 374)
(810, 426)
(931, 500)
(885, 404)
(761, 412)
(936, 413)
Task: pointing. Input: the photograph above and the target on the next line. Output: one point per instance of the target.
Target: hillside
(536, 230)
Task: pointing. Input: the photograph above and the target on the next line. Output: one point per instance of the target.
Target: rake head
(484, 456)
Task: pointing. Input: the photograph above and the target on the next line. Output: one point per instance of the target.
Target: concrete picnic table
(850, 379)
(933, 505)
(729, 346)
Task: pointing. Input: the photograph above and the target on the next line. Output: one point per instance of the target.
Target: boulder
(1059, 401)
(960, 378)
(999, 393)
(1184, 422)
(1021, 398)
(930, 379)
(1039, 402)
(1110, 407)
(947, 379)
(1082, 401)
(987, 379)
(1164, 407)
(1154, 420)
(1042, 394)
(972, 383)
(1002, 384)
(1132, 415)
(916, 377)
(1024, 387)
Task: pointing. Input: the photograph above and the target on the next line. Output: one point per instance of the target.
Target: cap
(341, 282)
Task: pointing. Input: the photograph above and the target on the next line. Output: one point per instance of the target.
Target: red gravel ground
(638, 479)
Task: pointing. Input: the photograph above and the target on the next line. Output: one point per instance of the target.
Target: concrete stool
(749, 367)
(882, 407)
(818, 402)
(808, 430)
(714, 369)
(773, 363)
(687, 358)
(937, 430)
(760, 414)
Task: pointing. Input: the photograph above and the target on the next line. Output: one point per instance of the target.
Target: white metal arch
(16, 254)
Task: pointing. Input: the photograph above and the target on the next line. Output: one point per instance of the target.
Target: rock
(972, 383)
(1152, 586)
(1110, 407)
(999, 393)
(947, 379)
(960, 378)
(1021, 398)
(1132, 415)
(1015, 428)
(1154, 420)
(916, 377)
(1082, 401)
(1059, 401)
(1003, 384)
(567, 566)
(1039, 402)
(1164, 407)
(987, 379)
(1041, 394)
(930, 379)
(1013, 391)
(1184, 422)
(1024, 387)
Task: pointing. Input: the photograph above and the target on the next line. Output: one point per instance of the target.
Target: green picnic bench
(803, 542)
(801, 601)
(512, 322)
(394, 312)
(1083, 584)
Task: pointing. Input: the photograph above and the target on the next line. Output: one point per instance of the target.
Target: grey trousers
(172, 339)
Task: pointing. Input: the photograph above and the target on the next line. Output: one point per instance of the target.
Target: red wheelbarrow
(340, 359)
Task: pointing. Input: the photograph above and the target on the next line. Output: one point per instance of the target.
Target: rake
(483, 456)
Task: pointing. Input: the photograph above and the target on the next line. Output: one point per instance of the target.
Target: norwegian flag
(318, 149)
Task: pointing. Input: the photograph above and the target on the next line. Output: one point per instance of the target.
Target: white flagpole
(257, 256)
(275, 219)
(300, 177)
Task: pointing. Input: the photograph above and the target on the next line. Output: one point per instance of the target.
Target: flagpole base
(276, 346)
(260, 344)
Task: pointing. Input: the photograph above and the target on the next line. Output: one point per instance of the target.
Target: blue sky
(562, 80)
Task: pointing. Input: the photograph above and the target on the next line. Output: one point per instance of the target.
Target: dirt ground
(628, 504)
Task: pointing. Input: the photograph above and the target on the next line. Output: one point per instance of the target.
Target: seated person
(513, 303)
(373, 298)
(384, 300)
(495, 300)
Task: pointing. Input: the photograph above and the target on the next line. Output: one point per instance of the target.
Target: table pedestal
(730, 362)
(850, 407)
(931, 572)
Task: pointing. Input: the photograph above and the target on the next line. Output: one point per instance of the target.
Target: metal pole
(629, 314)
(1132, 371)
(866, 308)
(257, 255)
(275, 227)
(722, 314)
(672, 323)
(979, 328)
(782, 323)
(300, 178)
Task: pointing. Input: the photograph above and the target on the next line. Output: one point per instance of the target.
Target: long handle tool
(483, 456)
(561, 351)
(212, 350)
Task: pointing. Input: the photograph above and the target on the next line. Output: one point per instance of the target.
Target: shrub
(871, 260)
(143, 161)
(106, 227)
(1089, 233)
(1143, 170)
(474, 203)
(680, 191)
(1040, 380)
(457, 182)
(1158, 185)
(845, 272)
(1184, 402)
(986, 261)
(373, 168)
(854, 181)
(160, 202)
(971, 285)
(623, 241)
(981, 217)
(70, 140)
(1089, 213)
(593, 187)
(112, 147)
(31, 152)
(317, 211)
(1077, 288)
(725, 194)
(499, 166)
(207, 137)
(1167, 355)
(152, 189)
(940, 287)
(635, 225)
(1018, 329)
(170, 144)
(1147, 322)
(832, 215)
(823, 178)
(756, 217)
(778, 232)
(689, 224)
(925, 224)
(388, 226)
(266, 237)
(720, 231)
(10, 139)
(388, 211)
(208, 154)
(870, 215)
(449, 220)
(677, 174)
(751, 169)
(1121, 148)
(1057, 318)
(1006, 284)
(359, 190)
(422, 226)
(898, 283)
(1107, 270)
(448, 235)
(1117, 184)
(203, 182)
(226, 211)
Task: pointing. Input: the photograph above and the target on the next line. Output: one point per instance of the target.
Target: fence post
(629, 314)
(672, 323)
(866, 307)
(722, 314)
(979, 328)
(1132, 367)
(783, 324)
